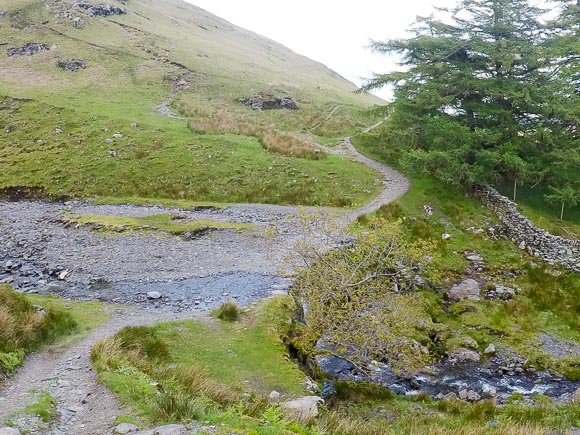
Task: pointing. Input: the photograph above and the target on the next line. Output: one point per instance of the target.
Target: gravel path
(39, 254)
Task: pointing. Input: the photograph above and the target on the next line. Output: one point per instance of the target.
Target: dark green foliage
(489, 94)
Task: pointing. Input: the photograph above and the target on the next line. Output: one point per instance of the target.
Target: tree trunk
(515, 189)
(562, 212)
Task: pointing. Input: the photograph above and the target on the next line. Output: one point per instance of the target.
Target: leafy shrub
(360, 300)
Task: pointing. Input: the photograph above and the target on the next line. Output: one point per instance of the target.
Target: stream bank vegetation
(384, 297)
(222, 373)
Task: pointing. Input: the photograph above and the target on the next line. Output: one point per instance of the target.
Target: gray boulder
(27, 49)
(125, 428)
(269, 102)
(490, 350)
(101, 10)
(462, 354)
(473, 396)
(9, 431)
(467, 289)
(72, 65)
(474, 257)
(153, 295)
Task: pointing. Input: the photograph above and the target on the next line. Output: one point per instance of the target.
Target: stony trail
(192, 274)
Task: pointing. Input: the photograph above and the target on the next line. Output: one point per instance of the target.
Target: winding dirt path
(87, 407)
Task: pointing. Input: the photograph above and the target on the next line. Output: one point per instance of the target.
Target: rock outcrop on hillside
(269, 102)
(27, 49)
(79, 12)
(100, 10)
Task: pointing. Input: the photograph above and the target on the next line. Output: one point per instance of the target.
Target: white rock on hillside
(303, 408)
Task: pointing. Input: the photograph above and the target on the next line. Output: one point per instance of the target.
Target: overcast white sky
(335, 33)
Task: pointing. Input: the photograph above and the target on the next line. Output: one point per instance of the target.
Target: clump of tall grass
(271, 139)
(227, 311)
(137, 346)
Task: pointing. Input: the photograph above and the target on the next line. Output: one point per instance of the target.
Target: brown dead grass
(271, 139)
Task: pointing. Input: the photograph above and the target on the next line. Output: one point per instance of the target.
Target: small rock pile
(28, 49)
(269, 102)
(72, 65)
(537, 242)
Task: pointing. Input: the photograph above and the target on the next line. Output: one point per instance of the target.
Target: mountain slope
(134, 61)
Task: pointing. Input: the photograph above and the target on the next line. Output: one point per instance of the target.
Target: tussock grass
(197, 382)
(24, 326)
(227, 311)
(137, 346)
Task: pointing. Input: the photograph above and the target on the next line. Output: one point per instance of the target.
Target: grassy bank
(28, 322)
(548, 297)
(530, 200)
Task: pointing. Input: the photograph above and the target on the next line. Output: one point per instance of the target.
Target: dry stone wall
(538, 242)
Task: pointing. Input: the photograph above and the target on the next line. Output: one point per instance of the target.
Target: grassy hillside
(55, 134)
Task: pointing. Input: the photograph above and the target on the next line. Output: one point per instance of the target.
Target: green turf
(170, 224)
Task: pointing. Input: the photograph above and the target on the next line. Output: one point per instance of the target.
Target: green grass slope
(134, 61)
